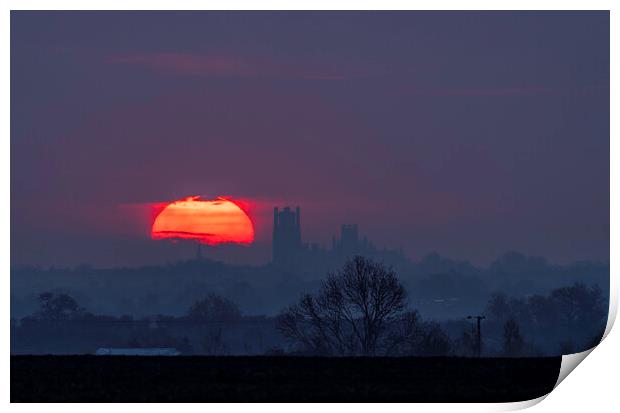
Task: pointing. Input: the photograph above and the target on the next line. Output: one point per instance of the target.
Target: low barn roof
(162, 351)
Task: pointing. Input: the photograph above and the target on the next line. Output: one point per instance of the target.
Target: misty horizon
(259, 253)
(127, 249)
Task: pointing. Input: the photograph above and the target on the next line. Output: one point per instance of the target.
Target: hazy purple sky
(466, 133)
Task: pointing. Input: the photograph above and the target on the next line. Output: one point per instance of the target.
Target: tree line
(363, 310)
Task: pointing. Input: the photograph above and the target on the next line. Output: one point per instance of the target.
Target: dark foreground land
(278, 379)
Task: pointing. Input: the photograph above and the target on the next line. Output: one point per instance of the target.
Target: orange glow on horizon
(212, 222)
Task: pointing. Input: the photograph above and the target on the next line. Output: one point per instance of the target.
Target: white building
(162, 351)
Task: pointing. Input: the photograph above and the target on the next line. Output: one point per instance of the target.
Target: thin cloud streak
(188, 64)
(504, 91)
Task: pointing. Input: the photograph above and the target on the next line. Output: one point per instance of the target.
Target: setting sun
(211, 222)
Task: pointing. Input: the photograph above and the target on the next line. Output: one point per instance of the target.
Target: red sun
(213, 222)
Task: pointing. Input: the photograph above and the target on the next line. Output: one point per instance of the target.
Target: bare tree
(404, 333)
(349, 314)
(433, 340)
(58, 307)
(214, 308)
(466, 344)
(410, 336)
(213, 343)
(513, 341)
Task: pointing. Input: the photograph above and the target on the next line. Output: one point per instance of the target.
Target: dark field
(278, 379)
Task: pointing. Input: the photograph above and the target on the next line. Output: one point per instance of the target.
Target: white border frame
(592, 386)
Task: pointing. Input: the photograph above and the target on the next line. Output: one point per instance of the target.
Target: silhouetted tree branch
(349, 314)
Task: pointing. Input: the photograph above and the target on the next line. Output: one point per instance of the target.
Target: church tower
(286, 235)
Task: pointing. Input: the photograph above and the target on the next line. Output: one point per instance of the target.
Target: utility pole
(478, 318)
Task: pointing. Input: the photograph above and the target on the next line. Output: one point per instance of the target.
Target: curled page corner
(515, 406)
(569, 362)
(613, 307)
